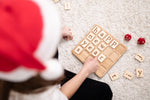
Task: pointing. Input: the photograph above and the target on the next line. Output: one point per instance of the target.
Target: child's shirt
(53, 93)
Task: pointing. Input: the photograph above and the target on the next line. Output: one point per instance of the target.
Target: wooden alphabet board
(100, 43)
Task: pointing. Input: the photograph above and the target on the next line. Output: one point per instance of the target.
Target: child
(29, 70)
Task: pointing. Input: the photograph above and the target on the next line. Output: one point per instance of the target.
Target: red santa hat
(29, 34)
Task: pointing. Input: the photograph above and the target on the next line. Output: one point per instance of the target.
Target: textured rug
(118, 17)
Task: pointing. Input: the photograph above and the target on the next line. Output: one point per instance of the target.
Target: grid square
(96, 41)
(90, 47)
(114, 56)
(102, 34)
(120, 49)
(78, 49)
(107, 63)
(108, 39)
(102, 46)
(96, 30)
(95, 52)
(90, 36)
(84, 43)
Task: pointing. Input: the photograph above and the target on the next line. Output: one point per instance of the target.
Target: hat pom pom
(53, 70)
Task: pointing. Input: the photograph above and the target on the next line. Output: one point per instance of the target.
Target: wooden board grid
(100, 43)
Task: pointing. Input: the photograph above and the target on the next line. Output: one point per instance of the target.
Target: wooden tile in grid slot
(96, 29)
(101, 58)
(96, 41)
(108, 39)
(114, 56)
(95, 52)
(139, 72)
(108, 51)
(78, 50)
(120, 49)
(102, 34)
(90, 47)
(107, 63)
(90, 36)
(114, 44)
(113, 47)
(102, 46)
(84, 43)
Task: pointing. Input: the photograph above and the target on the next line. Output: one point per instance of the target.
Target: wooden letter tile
(78, 49)
(114, 76)
(84, 43)
(90, 47)
(108, 39)
(139, 57)
(101, 57)
(128, 75)
(102, 34)
(56, 1)
(67, 6)
(102, 46)
(96, 41)
(139, 72)
(96, 30)
(114, 44)
(90, 36)
(95, 52)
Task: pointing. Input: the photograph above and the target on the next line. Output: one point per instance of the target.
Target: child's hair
(34, 85)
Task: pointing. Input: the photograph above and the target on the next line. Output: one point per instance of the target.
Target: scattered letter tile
(114, 76)
(139, 57)
(139, 72)
(128, 75)
(67, 6)
(56, 1)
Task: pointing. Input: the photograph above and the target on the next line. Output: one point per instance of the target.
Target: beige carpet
(118, 17)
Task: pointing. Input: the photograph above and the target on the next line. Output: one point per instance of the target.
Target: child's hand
(67, 34)
(90, 66)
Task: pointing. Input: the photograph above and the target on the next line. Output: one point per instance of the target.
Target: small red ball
(141, 41)
(127, 37)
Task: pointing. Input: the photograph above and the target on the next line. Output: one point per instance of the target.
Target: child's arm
(70, 87)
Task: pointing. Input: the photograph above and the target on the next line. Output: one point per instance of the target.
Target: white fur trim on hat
(54, 70)
(51, 37)
(51, 30)
(18, 75)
